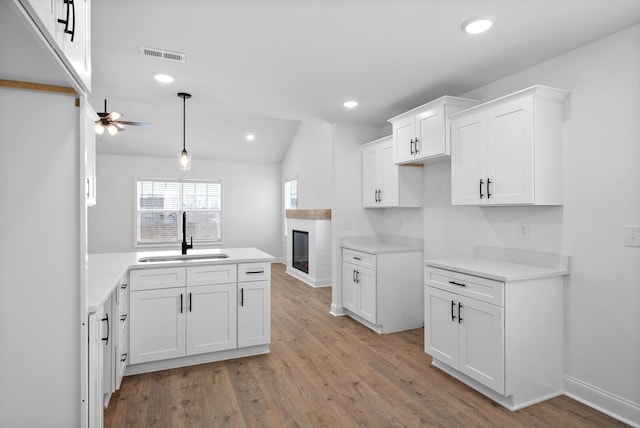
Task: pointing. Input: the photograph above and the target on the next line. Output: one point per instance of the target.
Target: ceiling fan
(111, 122)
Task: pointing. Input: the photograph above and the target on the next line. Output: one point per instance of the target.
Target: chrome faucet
(185, 246)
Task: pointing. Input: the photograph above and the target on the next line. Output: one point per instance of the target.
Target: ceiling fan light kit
(111, 122)
(184, 158)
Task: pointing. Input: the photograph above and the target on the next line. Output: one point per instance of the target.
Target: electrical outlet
(523, 230)
(632, 236)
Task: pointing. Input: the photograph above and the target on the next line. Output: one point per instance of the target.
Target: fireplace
(301, 250)
(308, 246)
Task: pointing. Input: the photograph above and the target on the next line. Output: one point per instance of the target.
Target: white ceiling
(261, 66)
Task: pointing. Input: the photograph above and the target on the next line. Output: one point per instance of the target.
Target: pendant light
(184, 158)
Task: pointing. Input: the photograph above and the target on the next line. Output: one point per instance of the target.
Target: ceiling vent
(162, 54)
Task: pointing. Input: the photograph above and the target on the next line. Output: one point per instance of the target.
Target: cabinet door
(254, 313)
(482, 343)
(366, 283)
(403, 133)
(349, 287)
(109, 333)
(95, 407)
(211, 318)
(510, 152)
(468, 160)
(121, 359)
(157, 327)
(370, 177)
(430, 126)
(388, 173)
(441, 325)
(77, 51)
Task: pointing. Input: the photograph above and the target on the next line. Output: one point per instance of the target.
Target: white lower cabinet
(467, 334)
(211, 318)
(198, 310)
(359, 291)
(95, 350)
(158, 322)
(254, 313)
(383, 291)
(502, 338)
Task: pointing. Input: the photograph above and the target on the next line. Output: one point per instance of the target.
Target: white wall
(348, 218)
(602, 193)
(251, 198)
(39, 260)
(308, 159)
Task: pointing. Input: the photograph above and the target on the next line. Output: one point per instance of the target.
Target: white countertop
(495, 269)
(381, 244)
(105, 269)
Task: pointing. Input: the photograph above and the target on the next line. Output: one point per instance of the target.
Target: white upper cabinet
(509, 151)
(423, 134)
(385, 184)
(66, 25)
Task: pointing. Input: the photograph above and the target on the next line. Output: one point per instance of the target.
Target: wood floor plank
(326, 371)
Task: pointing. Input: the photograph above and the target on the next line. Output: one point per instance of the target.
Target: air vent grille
(162, 54)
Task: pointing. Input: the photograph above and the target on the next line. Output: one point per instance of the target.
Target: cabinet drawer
(213, 274)
(150, 279)
(254, 272)
(486, 290)
(359, 258)
(123, 289)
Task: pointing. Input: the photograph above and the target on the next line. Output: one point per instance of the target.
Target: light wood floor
(325, 371)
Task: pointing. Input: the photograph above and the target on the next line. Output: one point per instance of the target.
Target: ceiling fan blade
(124, 122)
(118, 125)
(113, 116)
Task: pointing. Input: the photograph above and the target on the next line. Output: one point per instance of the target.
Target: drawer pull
(457, 283)
(255, 272)
(356, 258)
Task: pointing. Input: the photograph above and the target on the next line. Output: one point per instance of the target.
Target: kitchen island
(173, 310)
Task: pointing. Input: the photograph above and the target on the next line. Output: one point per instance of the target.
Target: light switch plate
(632, 236)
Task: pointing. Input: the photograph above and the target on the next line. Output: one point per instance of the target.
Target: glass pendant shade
(184, 161)
(184, 158)
(100, 128)
(111, 129)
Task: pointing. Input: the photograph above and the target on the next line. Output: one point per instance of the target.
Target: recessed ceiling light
(163, 78)
(478, 24)
(250, 137)
(351, 104)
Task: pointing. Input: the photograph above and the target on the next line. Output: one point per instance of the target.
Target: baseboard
(193, 360)
(313, 282)
(603, 401)
(337, 310)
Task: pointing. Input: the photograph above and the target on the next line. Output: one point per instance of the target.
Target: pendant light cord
(184, 123)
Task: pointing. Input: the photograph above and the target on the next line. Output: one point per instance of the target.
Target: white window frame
(284, 200)
(196, 243)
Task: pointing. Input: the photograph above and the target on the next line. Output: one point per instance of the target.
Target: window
(291, 194)
(160, 204)
(290, 198)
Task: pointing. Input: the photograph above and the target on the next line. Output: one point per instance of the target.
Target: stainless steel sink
(183, 257)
